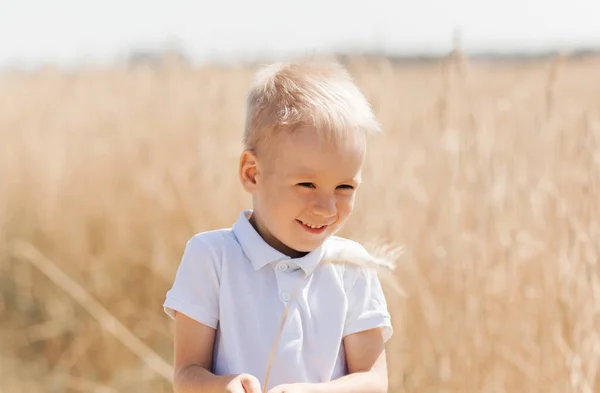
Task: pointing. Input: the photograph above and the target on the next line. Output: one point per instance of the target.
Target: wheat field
(488, 175)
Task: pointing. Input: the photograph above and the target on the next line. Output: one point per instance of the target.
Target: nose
(325, 206)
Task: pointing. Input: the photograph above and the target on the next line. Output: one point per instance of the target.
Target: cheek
(345, 204)
(286, 201)
(270, 189)
(299, 197)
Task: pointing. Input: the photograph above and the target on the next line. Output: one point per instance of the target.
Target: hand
(243, 383)
(292, 388)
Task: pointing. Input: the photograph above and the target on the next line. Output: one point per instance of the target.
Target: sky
(72, 31)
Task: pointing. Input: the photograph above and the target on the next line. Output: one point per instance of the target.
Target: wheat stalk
(27, 252)
(381, 258)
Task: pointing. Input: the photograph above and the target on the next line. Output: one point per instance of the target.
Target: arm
(193, 360)
(366, 330)
(192, 302)
(193, 357)
(367, 366)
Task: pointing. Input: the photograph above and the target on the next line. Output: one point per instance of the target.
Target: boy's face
(303, 188)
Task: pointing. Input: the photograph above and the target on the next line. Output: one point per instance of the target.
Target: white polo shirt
(233, 281)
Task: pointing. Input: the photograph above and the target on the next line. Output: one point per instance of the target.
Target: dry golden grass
(488, 176)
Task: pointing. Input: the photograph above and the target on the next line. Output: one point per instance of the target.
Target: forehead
(303, 150)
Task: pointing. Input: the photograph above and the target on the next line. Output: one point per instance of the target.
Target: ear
(248, 171)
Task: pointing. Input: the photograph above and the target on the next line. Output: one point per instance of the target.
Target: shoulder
(195, 290)
(359, 269)
(209, 245)
(350, 258)
(343, 248)
(212, 240)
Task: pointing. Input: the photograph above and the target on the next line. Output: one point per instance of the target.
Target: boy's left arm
(367, 328)
(367, 368)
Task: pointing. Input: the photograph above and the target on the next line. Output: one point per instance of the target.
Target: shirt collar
(260, 253)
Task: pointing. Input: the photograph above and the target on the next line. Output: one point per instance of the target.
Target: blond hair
(314, 93)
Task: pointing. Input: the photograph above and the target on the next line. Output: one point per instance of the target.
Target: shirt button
(282, 267)
(285, 297)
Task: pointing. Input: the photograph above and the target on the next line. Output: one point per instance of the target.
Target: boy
(304, 147)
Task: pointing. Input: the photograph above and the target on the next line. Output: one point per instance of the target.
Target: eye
(306, 185)
(346, 187)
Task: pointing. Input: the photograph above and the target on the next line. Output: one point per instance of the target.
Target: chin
(309, 246)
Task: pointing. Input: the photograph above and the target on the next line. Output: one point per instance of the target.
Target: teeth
(312, 226)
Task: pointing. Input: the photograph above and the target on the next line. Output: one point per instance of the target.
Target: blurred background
(120, 127)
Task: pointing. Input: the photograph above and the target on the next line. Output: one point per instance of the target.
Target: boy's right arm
(193, 361)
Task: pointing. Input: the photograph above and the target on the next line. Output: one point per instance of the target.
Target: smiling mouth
(311, 227)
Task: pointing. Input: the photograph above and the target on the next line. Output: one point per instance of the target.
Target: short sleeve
(367, 306)
(195, 290)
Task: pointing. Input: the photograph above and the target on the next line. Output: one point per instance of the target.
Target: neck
(272, 240)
